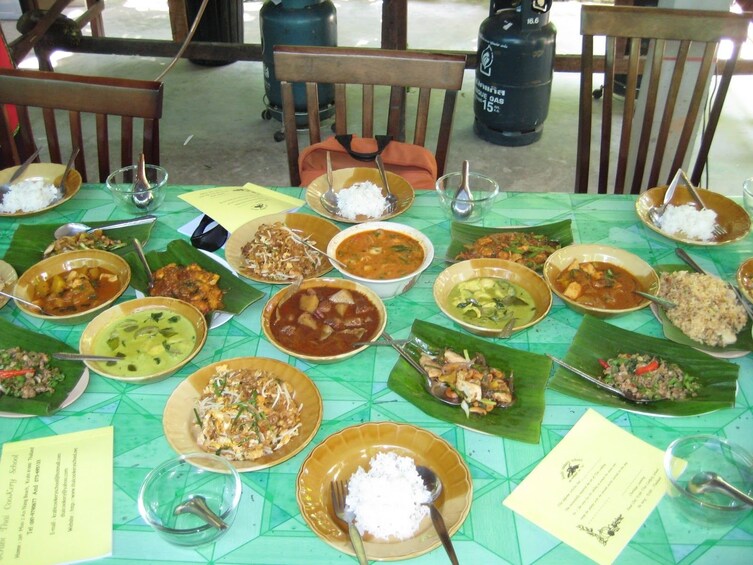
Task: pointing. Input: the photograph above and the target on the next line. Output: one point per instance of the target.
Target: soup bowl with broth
(386, 257)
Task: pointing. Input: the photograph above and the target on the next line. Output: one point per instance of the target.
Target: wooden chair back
(672, 35)
(343, 66)
(102, 97)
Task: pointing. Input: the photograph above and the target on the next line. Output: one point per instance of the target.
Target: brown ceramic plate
(318, 231)
(338, 457)
(50, 173)
(745, 278)
(8, 278)
(633, 264)
(48, 268)
(119, 311)
(179, 419)
(513, 272)
(730, 215)
(271, 307)
(343, 178)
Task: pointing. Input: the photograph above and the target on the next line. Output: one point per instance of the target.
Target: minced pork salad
(647, 377)
(25, 374)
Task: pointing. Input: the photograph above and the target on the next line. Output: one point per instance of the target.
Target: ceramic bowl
(510, 271)
(120, 186)
(745, 278)
(270, 311)
(8, 278)
(50, 173)
(686, 457)
(484, 192)
(158, 304)
(178, 480)
(384, 288)
(58, 264)
(633, 264)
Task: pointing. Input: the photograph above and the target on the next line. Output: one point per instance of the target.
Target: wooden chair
(101, 96)
(344, 66)
(663, 28)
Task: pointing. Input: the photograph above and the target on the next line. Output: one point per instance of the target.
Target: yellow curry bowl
(387, 257)
(154, 335)
(322, 319)
(616, 286)
(65, 285)
(483, 295)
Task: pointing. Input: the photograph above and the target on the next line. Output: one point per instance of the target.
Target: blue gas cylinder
(516, 48)
(295, 22)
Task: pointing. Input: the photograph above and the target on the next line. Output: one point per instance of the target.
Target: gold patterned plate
(179, 419)
(730, 215)
(343, 178)
(8, 278)
(338, 457)
(745, 279)
(318, 231)
(50, 173)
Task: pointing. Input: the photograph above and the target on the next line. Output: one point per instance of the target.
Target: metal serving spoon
(329, 198)
(197, 505)
(391, 198)
(84, 357)
(437, 389)
(462, 203)
(616, 391)
(142, 190)
(144, 263)
(68, 167)
(708, 481)
(434, 485)
(663, 302)
(22, 301)
(74, 228)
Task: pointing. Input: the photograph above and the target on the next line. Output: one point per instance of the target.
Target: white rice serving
(686, 219)
(361, 199)
(388, 499)
(29, 195)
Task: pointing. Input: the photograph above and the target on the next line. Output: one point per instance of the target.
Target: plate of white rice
(684, 222)
(35, 191)
(393, 520)
(360, 195)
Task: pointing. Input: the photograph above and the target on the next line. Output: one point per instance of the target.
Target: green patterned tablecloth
(269, 528)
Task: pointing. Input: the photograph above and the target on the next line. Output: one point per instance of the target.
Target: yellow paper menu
(56, 498)
(233, 206)
(595, 489)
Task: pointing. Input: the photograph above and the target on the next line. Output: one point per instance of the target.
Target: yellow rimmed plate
(745, 278)
(316, 230)
(50, 173)
(730, 215)
(179, 419)
(8, 278)
(343, 178)
(338, 457)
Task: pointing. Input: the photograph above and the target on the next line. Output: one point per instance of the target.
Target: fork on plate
(339, 491)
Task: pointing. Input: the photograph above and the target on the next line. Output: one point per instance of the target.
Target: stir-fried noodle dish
(245, 414)
(276, 254)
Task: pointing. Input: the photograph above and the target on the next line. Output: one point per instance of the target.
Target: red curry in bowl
(380, 254)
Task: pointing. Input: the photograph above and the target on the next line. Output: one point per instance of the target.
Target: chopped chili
(647, 368)
(14, 373)
(603, 363)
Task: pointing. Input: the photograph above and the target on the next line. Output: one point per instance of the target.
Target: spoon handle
(25, 165)
(83, 357)
(722, 485)
(149, 218)
(68, 168)
(144, 262)
(588, 377)
(444, 536)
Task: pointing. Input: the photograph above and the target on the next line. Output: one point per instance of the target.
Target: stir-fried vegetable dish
(529, 249)
(275, 254)
(25, 374)
(85, 240)
(647, 377)
(599, 284)
(190, 283)
(74, 291)
(245, 414)
(481, 388)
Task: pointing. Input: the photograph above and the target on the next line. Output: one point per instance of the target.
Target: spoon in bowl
(22, 301)
(5, 187)
(197, 505)
(142, 190)
(708, 481)
(74, 228)
(67, 170)
(391, 198)
(462, 203)
(329, 198)
(616, 391)
(63, 356)
(434, 485)
(144, 263)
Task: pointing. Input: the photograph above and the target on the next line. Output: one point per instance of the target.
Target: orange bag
(414, 163)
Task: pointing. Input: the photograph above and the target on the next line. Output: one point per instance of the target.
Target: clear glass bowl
(484, 191)
(688, 456)
(120, 186)
(175, 482)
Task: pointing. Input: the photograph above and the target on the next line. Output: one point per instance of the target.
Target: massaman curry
(599, 285)
(324, 321)
(380, 254)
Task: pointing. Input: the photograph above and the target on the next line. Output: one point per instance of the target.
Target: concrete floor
(212, 131)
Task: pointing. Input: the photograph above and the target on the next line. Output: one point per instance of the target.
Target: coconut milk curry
(380, 254)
